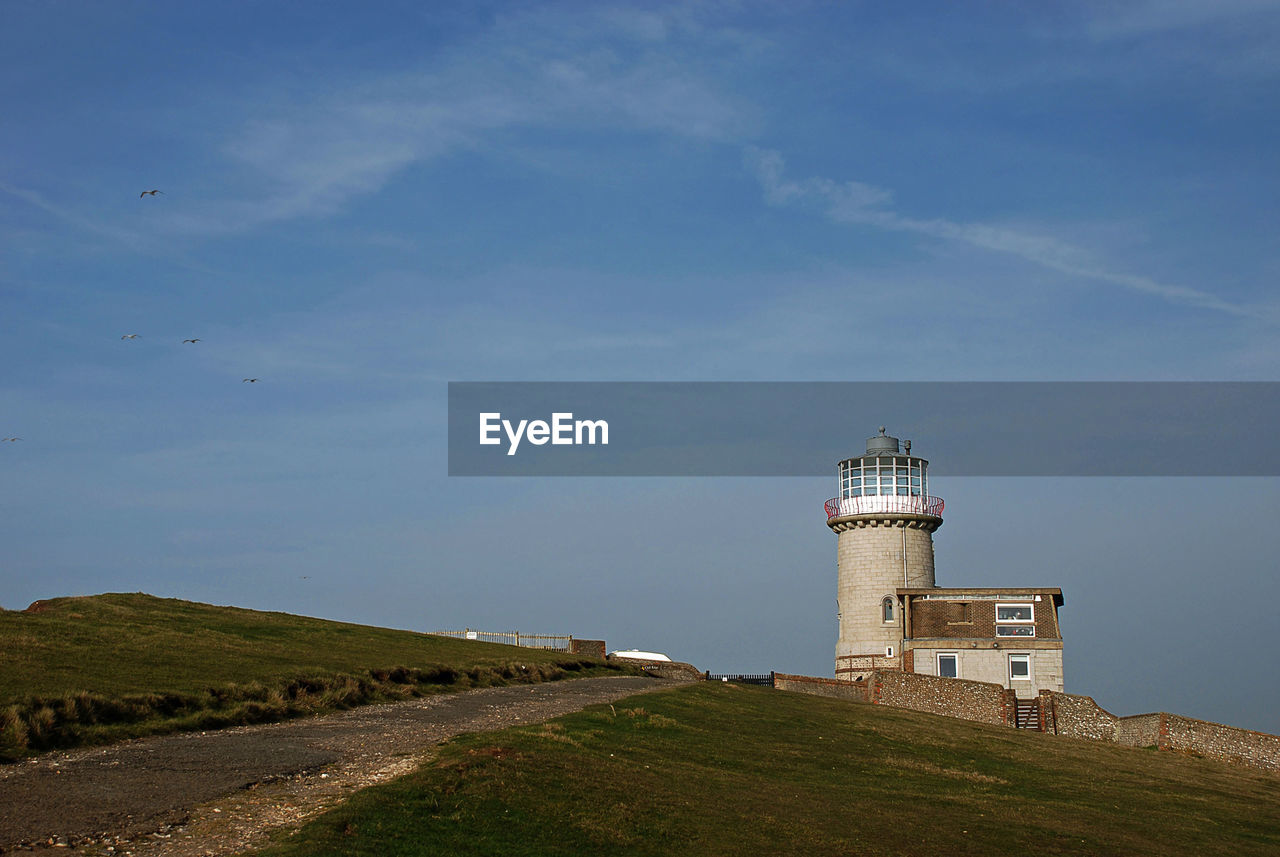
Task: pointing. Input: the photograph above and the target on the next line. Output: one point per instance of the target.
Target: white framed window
(1015, 613)
(888, 651)
(1015, 630)
(948, 664)
(1020, 667)
(886, 609)
(885, 474)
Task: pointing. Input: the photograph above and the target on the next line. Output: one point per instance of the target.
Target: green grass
(101, 668)
(714, 769)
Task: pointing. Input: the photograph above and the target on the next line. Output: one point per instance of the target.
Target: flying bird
(10, 439)
(249, 380)
(131, 336)
(149, 193)
(185, 341)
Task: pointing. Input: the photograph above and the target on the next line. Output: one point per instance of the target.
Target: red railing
(889, 503)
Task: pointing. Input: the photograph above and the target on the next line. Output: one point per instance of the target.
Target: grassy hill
(76, 670)
(714, 769)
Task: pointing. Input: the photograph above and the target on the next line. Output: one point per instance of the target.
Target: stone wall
(1140, 730)
(1202, 738)
(951, 697)
(1081, 717)
(853, 667)
(1241, 746)
(854, 690)
(1077, 716)
(672, 670)
(870, 567)
(594, 648)
(965, 700)
(1063, 714)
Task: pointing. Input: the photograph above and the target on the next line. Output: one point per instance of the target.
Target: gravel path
(221, 792)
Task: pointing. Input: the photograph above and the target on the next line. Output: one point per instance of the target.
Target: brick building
(893, 615)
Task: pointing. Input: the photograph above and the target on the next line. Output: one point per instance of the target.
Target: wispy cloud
(123, 236)
(614, 71)
(132, 240)
(1113, 20)
(857, 203)
(1234, 39)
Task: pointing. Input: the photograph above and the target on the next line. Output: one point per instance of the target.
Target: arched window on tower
(886, 609)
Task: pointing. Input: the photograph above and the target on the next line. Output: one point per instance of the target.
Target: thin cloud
(311, 158)
(1118, 21)
(134, 240)
(857, 203)
(123, 236)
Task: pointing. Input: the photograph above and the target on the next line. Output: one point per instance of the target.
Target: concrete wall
(869, 556)
(992, 665)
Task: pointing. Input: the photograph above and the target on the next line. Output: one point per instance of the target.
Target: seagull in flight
(185, 341)
(131, 336)
(149, 193)
(9, 439)
(248, 380)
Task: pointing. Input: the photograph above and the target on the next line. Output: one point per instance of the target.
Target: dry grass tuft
(908, 764)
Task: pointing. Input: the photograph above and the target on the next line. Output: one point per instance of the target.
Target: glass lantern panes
(885, 476)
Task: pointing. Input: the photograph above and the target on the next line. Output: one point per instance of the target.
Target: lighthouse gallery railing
(839, 507)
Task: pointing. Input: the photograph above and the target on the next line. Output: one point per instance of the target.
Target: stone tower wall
(869, 556)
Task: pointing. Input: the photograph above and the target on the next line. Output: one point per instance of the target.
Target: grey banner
(805, 428)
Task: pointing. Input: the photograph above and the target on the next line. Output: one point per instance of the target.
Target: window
(879, 476)
(948, 665)
(1020, 620)
(888, 651)
(1020, 667)
(1014, 613)
(886, 609)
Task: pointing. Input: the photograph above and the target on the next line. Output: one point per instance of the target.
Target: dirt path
(221, 792)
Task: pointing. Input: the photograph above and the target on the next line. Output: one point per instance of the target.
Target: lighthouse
(884, 519)
(894, 616)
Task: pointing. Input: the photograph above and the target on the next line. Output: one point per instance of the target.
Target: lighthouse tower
(884, 520)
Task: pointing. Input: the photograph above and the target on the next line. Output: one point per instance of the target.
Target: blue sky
(357, 208)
